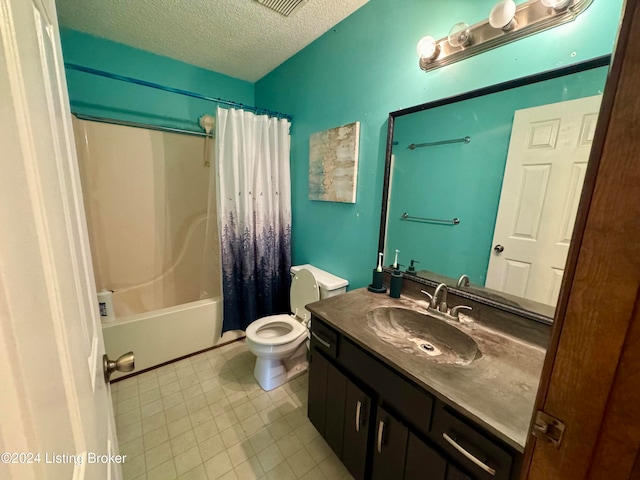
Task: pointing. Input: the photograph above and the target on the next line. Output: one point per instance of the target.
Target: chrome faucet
(454, 313)
(442, 307)
(433, 299)
(463, 281)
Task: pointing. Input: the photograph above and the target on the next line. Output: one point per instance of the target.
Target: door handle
(380, 434)
(498, 249)
(479, 463)
(358, 409)
(124, 363)
(322, 341)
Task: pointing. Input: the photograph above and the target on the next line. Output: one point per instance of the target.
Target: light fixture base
(558, 6)
(530, 17)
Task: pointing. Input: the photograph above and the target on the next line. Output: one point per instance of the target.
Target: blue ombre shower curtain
(254, 208)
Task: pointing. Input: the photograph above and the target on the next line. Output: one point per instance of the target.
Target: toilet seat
(304, 290)
(296, 329)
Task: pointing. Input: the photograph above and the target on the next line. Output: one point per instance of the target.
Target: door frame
(589, 379)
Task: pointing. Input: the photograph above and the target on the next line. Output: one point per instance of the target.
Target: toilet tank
(329, 284)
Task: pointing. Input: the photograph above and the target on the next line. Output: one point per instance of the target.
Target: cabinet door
(357, 420)
(424, 463)
(471, 448)
(335, 411)
(390, 447)
(454, 474)
(318, 373)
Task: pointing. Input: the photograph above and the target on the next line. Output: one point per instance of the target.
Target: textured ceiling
(240, 38)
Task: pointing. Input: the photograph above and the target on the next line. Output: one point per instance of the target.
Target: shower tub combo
(154, 240)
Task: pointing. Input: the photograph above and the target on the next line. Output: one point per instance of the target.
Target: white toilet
(280, 342)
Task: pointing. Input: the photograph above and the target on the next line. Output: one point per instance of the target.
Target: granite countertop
(497, 390)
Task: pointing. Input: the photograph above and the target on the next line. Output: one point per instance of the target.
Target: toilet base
(271, 373)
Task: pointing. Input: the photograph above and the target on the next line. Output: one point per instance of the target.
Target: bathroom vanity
(449, 401)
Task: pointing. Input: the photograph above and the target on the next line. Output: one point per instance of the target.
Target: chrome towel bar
(406, 216)
(413, 146)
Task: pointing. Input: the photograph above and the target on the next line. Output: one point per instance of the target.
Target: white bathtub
(164, 335)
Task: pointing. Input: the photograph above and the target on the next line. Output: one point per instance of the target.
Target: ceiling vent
(285, 7)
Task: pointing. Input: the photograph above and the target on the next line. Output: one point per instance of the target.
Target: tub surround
(497, 391)
(164, 335)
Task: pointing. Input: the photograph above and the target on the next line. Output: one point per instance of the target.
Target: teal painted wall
(93, 95)
(462, 180)
(365, 68)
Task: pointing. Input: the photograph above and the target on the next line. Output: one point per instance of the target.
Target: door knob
(124, 363)
(498, 249)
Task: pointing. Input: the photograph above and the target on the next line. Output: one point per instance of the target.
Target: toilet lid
(304, 290)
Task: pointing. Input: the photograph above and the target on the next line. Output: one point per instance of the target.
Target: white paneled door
(56, 419)
(543, 178)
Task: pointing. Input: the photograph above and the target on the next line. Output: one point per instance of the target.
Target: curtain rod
(125, 123)
(144, 83)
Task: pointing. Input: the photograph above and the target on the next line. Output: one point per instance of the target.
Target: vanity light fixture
(507, 22)
(557, 5)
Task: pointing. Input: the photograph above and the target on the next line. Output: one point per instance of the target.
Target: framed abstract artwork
(333, 164)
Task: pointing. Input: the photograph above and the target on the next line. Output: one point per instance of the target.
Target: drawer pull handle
(380, 434)
(358, 408)
(482, 465)
(322, 341)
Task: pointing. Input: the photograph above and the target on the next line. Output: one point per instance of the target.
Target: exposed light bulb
(460, 35)
(427, 48)
(556, 4)
(502, 15)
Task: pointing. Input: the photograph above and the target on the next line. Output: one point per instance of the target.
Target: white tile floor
(205, 417)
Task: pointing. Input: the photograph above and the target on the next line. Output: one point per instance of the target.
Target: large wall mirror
(487, 185)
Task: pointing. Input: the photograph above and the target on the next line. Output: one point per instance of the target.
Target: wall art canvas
(333, 164)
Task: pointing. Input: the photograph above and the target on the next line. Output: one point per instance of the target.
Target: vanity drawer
(324, 338)
(473, 450)
(412, 403)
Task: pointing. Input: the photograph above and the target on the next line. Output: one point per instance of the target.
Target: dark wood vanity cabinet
(399, 453)
(390, 447)
(317, 402)
(357, 427)
(454, 474)
(341, 412)
(423, 462)
(474, 451)
(327, 393)
(384, 427)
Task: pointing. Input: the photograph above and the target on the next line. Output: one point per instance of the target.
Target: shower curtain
(254, 211)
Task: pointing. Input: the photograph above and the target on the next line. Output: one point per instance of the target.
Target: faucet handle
(427, 294)
(455, 311)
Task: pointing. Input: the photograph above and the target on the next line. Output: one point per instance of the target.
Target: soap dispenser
(412, 269)
(395, 286)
